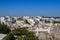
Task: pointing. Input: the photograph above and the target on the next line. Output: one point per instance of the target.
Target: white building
(19, 22)
(38, 30)
(8, 18)
(25, 17)
(31, 21)
(2, 19)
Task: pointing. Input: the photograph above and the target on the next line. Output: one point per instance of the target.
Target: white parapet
(42, 30)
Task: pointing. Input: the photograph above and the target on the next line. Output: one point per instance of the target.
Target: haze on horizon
(30, 8)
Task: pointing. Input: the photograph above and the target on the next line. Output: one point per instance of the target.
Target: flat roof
(2, 36)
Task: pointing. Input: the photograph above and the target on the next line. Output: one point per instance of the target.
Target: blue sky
(30, 8)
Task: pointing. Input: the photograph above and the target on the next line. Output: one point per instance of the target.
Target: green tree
(47, 21)
(27, 34)
(21, 34)
(4, 29)
(9, 36)
(19, 38)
